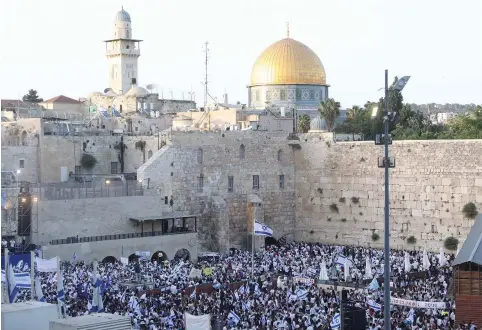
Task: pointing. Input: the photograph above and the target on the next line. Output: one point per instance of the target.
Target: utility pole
(206, 57)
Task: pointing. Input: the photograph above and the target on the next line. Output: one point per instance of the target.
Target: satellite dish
(107, 90)
(150, 87)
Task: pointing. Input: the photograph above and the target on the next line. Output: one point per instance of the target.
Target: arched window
(242, 152)
(280, 155)
(149, 154)
(199, 156)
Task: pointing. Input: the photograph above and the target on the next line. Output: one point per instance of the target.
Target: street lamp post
(388, 116)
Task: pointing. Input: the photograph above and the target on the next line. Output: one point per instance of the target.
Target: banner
(22, 280)
(202, 322)
(145, 254)
(418, 304)
(304, 280)
(46, 265)
(19, 262)
(195, 273)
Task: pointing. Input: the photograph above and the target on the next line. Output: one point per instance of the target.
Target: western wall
(330, 192)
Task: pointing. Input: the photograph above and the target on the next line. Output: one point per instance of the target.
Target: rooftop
(471, 251)
(62, 99)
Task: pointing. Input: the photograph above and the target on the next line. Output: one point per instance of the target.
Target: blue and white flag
(74, 257)
(373, 284)
(302, 294)
(335, 324)
(373, 305)
(97, 302)
(193, 294)
(11, 285)
(257, 291)
(233, 318)
(38, 290)
(241, 290)
(261, 229)
(60, 290)
(22, 280)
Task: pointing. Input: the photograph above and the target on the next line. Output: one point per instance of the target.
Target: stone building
(124, 92)
(288, 74)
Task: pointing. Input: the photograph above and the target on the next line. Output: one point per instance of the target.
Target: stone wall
(176, 171)
(60, 219)
(58, 151)
(169, 244)
(431, 183)
(23, 158)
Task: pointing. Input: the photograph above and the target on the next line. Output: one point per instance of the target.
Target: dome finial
(288, 29)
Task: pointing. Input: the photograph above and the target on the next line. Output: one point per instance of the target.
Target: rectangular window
(282, 181)
(200, 183)
(77, 169)
(22, 163)
(113, 168)
(282, 94)
(166, 200)
(230, 183)
(255, 181)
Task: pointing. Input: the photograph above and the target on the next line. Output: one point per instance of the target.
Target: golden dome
(288, 62)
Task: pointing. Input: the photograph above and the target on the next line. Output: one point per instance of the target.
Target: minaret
(122, 53)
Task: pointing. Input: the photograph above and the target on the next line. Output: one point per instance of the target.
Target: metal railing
(73, 240)
(82, 190)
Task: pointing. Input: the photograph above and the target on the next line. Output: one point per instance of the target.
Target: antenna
(205, 83)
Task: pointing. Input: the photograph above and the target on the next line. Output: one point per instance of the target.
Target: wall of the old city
(176, 171)
(431, 183)
(59, 219)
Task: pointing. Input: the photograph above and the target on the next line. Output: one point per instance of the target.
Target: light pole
(398, 86)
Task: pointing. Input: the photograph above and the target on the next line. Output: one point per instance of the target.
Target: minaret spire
(287, 29)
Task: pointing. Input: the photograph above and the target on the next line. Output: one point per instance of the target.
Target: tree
(304, 123)
(329, 110)
(32, 97)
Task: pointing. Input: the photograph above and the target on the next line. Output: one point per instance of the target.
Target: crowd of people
(270, 296)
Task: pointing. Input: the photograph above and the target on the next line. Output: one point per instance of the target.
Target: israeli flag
(335, 324)
(193, 294)
(38, 290)
(241, 290)
(11, 285)
(261, 229)
(22, 280)
(373, 305)
(373, 284)
(233, 318)
(60, 290)
(257, 291)
(97, 302)
(302, 294)
(74, 257)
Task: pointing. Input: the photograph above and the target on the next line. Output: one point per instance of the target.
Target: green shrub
(343, 220)
(342, 200)
(355, 200)
(88, 161)
(470, 210)
(411, 240)
(375, 237)
(451, 243)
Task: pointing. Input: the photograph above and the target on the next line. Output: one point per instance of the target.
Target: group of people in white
(292, 286)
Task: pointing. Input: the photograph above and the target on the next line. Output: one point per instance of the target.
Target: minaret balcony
(114, 52)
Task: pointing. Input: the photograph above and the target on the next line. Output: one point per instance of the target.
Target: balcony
(112, 52)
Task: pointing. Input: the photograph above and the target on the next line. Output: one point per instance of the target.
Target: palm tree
(329, 110)
(353, 113)
(303, 123)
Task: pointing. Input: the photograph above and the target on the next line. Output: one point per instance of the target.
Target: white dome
(137, 91)
(122, 15)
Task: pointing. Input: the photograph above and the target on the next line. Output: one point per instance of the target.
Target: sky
(55, 46)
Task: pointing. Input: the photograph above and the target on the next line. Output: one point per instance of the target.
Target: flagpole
(7, 261)
(252, 252)
(32, 273)
(59, 308)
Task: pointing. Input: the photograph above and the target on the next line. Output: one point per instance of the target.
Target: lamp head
(374, 111)
(400, 83)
